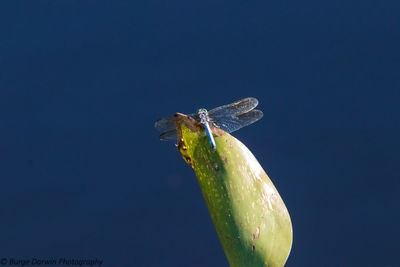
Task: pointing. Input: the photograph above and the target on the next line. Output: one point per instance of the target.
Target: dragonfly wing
(168, 128)
(165, 124)
(236, 108)
(233, 123)
(168, 124)
(169, 136)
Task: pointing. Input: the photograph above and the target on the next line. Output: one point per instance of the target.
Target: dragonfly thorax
(203, 115)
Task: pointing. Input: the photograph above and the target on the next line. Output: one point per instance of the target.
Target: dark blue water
(83, 175)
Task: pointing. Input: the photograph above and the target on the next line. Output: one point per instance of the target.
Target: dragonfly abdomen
(210, 135)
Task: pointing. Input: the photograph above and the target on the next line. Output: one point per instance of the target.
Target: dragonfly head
(203, 115)
(202, 111)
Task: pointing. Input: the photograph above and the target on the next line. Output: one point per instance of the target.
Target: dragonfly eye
(201, 110)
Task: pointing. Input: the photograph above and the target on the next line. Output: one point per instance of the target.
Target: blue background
(82, 173)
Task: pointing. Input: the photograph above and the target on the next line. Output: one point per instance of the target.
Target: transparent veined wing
(236, 108)
(169, 136)
(233, 123)
(168, 128)
(165, 124)
(168, 124)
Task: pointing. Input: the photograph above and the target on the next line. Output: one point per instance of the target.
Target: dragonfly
(229, 118)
